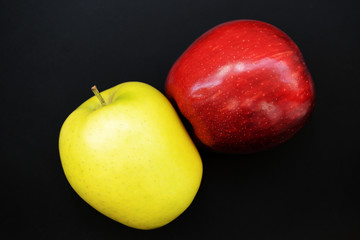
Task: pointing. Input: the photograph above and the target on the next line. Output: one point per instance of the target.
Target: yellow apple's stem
(98, 95)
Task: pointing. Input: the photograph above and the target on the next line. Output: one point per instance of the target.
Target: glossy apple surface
(243, 86)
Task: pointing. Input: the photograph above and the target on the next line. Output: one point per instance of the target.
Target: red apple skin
(243, 86)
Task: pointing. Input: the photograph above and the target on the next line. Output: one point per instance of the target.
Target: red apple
(243, 86)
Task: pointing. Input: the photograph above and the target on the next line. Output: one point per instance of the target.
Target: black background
(52, 52)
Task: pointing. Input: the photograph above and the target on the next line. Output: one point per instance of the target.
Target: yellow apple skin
(132, 159)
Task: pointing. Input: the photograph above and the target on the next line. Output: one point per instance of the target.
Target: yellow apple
(129, 156)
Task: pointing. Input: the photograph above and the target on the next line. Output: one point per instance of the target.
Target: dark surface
(52, 52)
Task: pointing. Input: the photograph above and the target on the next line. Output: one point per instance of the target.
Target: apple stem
(98, 95)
